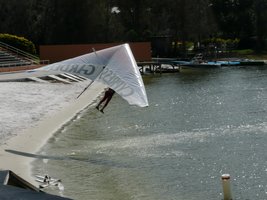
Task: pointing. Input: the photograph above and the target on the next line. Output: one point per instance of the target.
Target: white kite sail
(115, 67)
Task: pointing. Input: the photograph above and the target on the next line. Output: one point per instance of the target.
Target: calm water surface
(197, 127)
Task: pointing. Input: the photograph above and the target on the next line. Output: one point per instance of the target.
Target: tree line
(102, 21)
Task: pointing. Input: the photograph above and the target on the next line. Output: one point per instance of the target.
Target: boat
(252, 63)
(198, 66)
(225, 63)
(241, 62)
(14, 187)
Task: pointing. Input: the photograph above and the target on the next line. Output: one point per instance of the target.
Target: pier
(157, 65)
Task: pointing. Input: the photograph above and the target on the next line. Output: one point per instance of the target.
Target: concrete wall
(55, 53)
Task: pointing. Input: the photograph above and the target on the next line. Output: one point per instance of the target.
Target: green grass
(257, 56)
(244, 51)
(251, 54)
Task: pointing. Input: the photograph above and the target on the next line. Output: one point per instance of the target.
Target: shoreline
(34, 138)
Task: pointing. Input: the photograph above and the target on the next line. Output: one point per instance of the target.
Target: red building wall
(55, 53)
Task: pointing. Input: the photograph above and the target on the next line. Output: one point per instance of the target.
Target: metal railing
(26, 56)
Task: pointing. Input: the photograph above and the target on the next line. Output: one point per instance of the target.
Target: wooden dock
(157, 67)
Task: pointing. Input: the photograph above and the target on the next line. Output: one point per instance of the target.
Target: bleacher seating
(8, 59)
(14, 57)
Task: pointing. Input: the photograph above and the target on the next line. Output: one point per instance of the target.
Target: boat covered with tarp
(14, 187)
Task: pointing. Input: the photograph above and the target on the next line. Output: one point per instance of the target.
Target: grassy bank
(251, 54)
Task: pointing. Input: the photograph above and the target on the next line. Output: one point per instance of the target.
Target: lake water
(198, 126)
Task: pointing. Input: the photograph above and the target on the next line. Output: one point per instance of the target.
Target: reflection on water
(197, 127)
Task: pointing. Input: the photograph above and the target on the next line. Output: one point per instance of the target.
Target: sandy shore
(31, 113)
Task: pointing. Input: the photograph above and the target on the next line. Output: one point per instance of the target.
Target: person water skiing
(107, 97)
